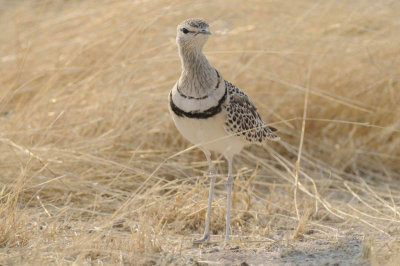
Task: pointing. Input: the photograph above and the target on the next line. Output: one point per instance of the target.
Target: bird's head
(192, 34)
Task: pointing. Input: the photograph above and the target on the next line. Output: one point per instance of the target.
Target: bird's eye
(184, 30)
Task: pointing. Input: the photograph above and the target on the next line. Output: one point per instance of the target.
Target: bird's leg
(206, 235)
(229, 185)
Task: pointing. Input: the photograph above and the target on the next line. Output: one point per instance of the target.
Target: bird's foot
(204, 238)
(226, 244)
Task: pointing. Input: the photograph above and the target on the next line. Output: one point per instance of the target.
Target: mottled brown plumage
(242, 118)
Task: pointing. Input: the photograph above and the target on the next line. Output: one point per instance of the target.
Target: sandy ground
(345, 250)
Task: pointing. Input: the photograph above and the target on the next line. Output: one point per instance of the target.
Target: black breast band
(198, 114)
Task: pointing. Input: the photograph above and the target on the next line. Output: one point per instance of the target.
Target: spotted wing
(243, 119)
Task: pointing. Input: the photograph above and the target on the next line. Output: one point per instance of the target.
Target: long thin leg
(206, 235)
(229, 185)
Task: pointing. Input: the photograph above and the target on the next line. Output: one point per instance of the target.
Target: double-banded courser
(211, 112)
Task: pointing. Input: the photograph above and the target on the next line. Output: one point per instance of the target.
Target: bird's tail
(271, 133)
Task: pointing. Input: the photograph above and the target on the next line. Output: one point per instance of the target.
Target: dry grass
(92, 168)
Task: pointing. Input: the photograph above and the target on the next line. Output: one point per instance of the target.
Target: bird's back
(243, 119)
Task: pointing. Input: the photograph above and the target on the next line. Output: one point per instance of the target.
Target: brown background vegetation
(92, 168)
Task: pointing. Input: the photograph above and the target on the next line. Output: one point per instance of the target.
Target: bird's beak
(205, 31)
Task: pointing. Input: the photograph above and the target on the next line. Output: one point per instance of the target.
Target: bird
(211, 112)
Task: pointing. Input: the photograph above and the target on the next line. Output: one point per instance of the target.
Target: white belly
(209, 134)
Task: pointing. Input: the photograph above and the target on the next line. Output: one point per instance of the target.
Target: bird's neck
(198, 77)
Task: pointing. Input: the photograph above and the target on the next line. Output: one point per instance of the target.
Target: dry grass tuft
(93, 170)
